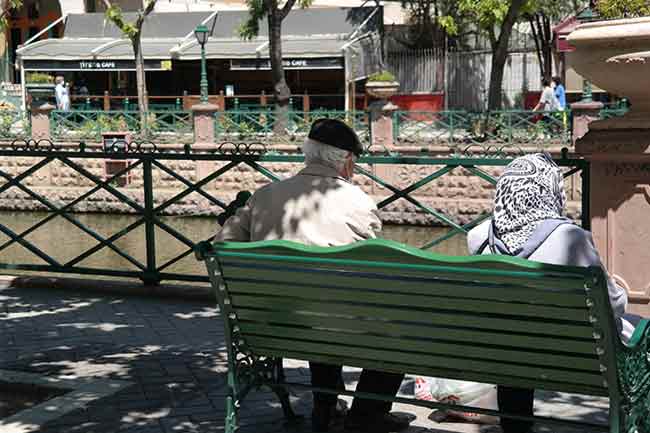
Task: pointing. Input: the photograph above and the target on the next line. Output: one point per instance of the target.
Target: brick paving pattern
(173, 351)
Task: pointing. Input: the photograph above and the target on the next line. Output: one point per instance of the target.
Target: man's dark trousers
(377, 382)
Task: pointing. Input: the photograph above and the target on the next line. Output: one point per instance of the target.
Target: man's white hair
(317, 152)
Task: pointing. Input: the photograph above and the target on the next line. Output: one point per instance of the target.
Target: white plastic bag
(461, 393)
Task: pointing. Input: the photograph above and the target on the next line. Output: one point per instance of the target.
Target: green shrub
(382, 76)
(39, 78)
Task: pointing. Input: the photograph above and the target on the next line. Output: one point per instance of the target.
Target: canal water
(63, 241)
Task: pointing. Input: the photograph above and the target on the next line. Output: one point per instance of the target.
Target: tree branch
(286, 9)
(147, 10)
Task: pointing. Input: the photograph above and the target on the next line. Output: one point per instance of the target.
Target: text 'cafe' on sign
(265, 64)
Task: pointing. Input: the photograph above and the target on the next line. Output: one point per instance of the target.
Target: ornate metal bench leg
(283, 395)
(232, 421)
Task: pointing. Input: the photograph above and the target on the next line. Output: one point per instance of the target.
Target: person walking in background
(560, 92)
(547, 102)
(529, 223)
(62, 94)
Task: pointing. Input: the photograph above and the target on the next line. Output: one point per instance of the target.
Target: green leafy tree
(275, 12)
(496, 19)
(133, 31)
(6, 6)
(623, 8)
(541, 15)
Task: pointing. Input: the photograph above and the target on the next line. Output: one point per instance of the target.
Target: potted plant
(40, 87)
(382, 85)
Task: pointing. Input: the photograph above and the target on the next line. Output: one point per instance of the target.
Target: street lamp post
(201, 34)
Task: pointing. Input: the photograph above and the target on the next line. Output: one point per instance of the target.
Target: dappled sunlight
(206, 313)
(139, 418)
(69, 308)
(84, 368)
(107, 327)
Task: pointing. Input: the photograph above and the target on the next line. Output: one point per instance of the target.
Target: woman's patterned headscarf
(530, 191)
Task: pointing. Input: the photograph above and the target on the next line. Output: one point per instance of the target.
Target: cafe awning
(91, 42)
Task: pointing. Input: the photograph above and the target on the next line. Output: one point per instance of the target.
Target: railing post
(582, 114)
(381, 125)
(179, 107)
(150, 277)
(41, 122)
(87, 104)
(186, 103)
(263, 99)
(222, 101)
(203, 115)
(126, 104)
(306, 106)
(107, 101)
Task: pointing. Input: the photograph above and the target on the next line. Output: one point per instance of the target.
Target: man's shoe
(387, 423)
(322, 415)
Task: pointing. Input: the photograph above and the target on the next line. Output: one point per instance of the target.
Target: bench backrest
(382, 305)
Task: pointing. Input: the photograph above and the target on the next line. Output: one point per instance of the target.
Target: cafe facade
(327, 52)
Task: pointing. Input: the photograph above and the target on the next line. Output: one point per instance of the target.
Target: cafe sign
(94, 65)
(296, 64)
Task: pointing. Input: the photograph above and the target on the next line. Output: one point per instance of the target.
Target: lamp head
(201, 34)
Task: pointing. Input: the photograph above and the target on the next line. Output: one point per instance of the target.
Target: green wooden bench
(386, 306)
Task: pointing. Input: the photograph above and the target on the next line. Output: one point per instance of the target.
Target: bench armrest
(203, 249)
(633, 361)
(641, 333)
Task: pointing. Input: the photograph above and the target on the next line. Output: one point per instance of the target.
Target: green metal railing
(14, 124)
(145, 201)
(500, 128)
(260, 125)
(89, 125)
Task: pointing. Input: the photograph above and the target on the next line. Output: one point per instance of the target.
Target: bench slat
(349, 294)
(423, 370)
(332, 267)
(444, 332)
(407, 343)
(430, 284)
(435, 333)
(410, 315)
(348, 355)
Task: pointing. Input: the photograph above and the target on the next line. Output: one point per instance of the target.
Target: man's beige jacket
(315, 207)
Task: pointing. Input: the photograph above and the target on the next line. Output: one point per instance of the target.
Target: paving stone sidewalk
(172, 350)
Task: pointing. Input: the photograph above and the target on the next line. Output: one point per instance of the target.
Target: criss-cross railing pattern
(161, 125)
(495, 129)
(259, 125)
(148, 165)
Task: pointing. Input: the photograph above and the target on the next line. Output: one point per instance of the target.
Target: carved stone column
(41, 122)
(620, 205)
(613, 55)
(204, 124)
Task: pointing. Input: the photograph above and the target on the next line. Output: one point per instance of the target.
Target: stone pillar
(203, 115)
(41, 121)
(583, 114)
(620, 203)
(381, 125)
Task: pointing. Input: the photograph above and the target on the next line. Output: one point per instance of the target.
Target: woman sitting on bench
(529, 222)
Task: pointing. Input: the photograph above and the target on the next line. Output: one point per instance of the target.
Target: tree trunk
(281, 90)
(141, 83)
(500, 55)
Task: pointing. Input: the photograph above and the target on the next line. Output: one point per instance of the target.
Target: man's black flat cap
(337, 134)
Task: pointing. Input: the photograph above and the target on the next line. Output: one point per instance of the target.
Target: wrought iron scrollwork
(23, 144)
(242, 148)
(634, 379)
